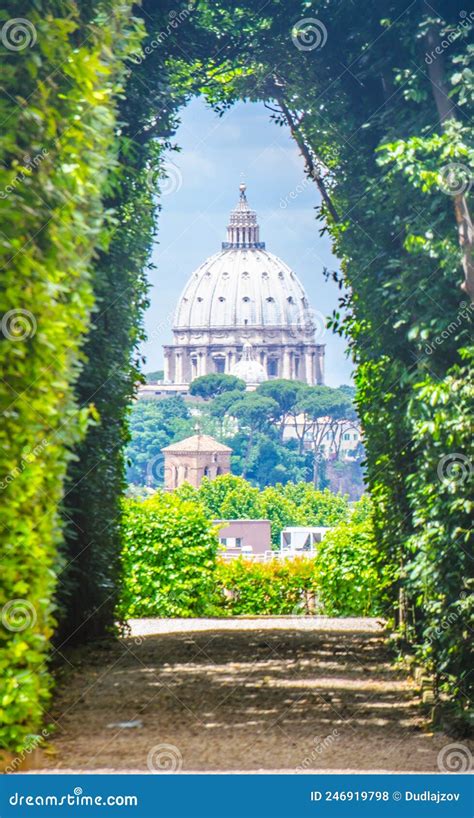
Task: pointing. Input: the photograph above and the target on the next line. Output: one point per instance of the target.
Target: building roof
(244, 286)
(197, 443)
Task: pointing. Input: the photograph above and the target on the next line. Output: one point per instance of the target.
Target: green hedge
(56, 149)
(278, 588)
(169, 558)
(171, 568)
(352, 580)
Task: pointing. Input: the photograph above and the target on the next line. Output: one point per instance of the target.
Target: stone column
(319, 357)
(167, 367)
(179, 367)
(309, 367)
(286, 368)
(201, 363)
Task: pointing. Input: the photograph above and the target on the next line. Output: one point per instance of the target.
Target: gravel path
(148, 627)
(283, 694)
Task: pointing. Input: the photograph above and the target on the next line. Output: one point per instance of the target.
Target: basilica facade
(244, 312)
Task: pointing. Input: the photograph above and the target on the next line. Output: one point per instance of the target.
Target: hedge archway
(370, 111)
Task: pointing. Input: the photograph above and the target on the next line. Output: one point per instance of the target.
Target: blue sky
(217, 154)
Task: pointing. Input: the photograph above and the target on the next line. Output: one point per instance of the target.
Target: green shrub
(169, 558)
(233, 497)
(278, 588)
(351, 580)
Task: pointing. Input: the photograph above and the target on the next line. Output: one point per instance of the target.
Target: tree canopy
(210, 386)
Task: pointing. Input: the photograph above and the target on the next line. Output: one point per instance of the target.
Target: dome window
(270, 299)
(281, 275)
(304, 302)
(265, 276)
(290, 299)
(221, 298)
(246, 275)
(200, 299)
(246, 299)
(225, 275)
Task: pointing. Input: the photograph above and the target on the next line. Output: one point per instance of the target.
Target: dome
(244, 312)
(247, 369)
(244, 285)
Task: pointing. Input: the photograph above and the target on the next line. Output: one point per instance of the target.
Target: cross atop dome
(243, 230)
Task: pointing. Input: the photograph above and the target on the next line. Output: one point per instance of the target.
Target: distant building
(189, 460)
(243, 312)
(301, 540)
(246, 538)
(333, 439)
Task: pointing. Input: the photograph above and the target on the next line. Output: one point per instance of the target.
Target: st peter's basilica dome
(244, 295)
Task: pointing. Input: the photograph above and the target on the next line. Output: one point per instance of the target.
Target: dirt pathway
(292, 695)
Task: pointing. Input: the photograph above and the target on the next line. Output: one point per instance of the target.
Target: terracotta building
(189, 460)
